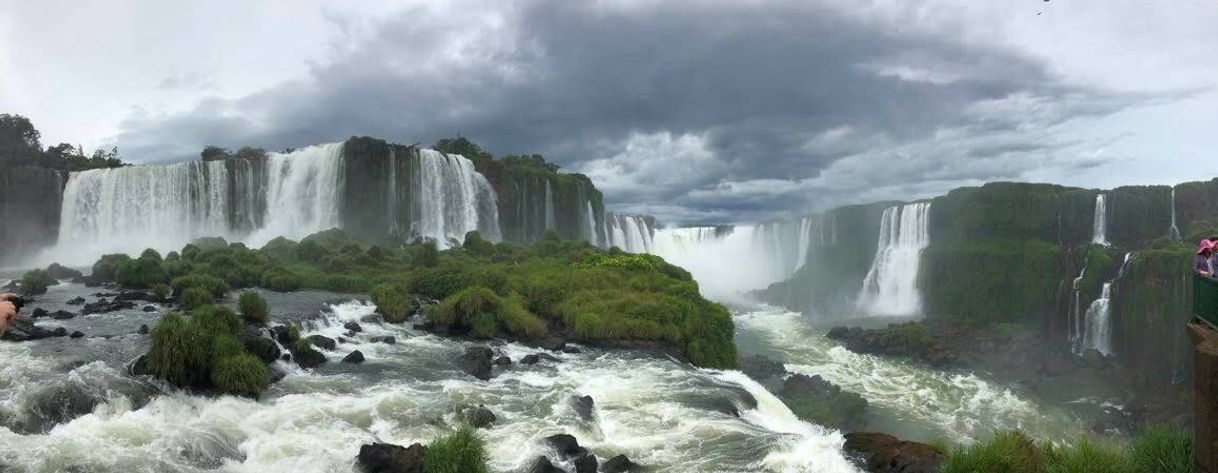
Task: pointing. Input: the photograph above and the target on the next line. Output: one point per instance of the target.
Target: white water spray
(1098, 333)
(451, 198)
(891, 285)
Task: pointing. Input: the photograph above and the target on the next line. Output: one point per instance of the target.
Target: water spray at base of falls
(891, 285)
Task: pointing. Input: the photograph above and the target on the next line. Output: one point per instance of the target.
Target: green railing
(1205, 300)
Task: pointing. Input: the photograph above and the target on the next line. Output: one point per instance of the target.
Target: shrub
(439, 282)
(428, 255)
(393, 304)
(141, 273)
(241, 375)
(482, 326)
(476, 245)
(217, 320)
(212, 285)
(36, 281)
(1163, 450)
(161, 292)
(193, 297)
(253, 308)
(151, 254)
(281, 280)
(190, 252)
(462, 451)
(1086, 456)
(178, 351)
(311, 251)
(459, 309)
(105, 269)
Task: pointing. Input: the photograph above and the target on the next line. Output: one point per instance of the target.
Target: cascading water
(726, 265)
(891, 285)
(132, 208)
(1175, 230)
(590, 231)
(550, 220)
(1076, 317)
(391, 199)
(1097, 333)
(786, 242)
(451, 198)
(632, 234)
(1099, 233)
(304, 190)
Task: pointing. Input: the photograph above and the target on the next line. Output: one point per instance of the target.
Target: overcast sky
(690, 110)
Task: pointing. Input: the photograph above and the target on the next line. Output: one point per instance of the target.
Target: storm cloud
(688, 111)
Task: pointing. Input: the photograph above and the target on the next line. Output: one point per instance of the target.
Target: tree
(249, 152)
(214, 153)
(18, 136)
(462, 146)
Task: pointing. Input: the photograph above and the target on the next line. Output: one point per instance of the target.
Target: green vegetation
(1156, 450)
(204, 350)
(253, 308)
(36, 281)
(565, 288)
(462, 451)
(836, 409)
(141, 273)
(20, 144)
(106, 268)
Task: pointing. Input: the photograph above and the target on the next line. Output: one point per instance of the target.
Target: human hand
(8, 313)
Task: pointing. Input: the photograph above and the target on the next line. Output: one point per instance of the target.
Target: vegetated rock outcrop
(811, 398)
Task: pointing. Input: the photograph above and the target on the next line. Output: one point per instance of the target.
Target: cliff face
(29, 209)
(1016, 253)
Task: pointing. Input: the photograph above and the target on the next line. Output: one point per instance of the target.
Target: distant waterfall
(630, 233)
(132, 208)
(304, 190)
(1098, 334)
(786, 242)
(550, 220)
(723, 260)
(590, 230)
(891, 286)
(1099, 234)
(1175, 230)
(1076, 310)
(451, 198)
(391, 198)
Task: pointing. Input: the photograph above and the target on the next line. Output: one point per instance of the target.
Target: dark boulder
(583, 407)
(571, 350)
(353, 327)
(260, 346)
(761, 368)
(143, 330)
(139, 367)
(537, 357)
(282, 335)
(133, 296)
(77, 334)
(58, 271)
(355, 357)
(883, 453)
(76, 301)
(586, 464)
(308, 358)
(477, 417)
(620, 464)
(503, 361)
(1093, 359)
(543, 465)
(566, 445)
(389, 458)
(816, 400)
(277, 374)
(149, 308)
(553, 343)
(24, 330)
(477, 362)
(38, 312)
(61, 315)
(103, 306)
(323, 342)
(387, 339)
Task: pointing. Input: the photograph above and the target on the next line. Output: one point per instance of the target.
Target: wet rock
(323, 342)
(543, 465)
(282, 335)
(909, 340)
(816, 400)
(143, 330)
(583, 407)
(477, 362)
(1094, 359)
(620, 464)
(389, 458)
(139, 367)
(308, 358)
(566, 445)
(24, 330)
(537, 357)
(260, 346)
(353, 327)
(38, 312)
(503, 361)
(77, 334)
(477, 417)
(388, 340)
(761, 368)
(133, 296)
(355, 357)
(553, 343)
(586, 464)
(149, 308)
(76, 301)
(571, 350)
(61, 315)
(286, 357)
(277, 375)
(103, 306)
(883, 453)
(58, 271)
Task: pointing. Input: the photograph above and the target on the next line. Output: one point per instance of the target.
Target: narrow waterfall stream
(891, 286)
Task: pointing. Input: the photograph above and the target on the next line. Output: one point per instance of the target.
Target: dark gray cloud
(723, 113)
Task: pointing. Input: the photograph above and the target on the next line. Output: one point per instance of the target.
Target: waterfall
(304, 190)
(786, 242)
(391, 199)
(131, 208)
(724, 262)
(1076, 319)
(1098, 333)
(248, 190)
(1175, 230)
(1099, 234)
(590, 224)
(891, 285)
(631, 233)
(550, 220)
(451, 198)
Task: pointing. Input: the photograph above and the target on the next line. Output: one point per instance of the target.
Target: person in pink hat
(1201, 263)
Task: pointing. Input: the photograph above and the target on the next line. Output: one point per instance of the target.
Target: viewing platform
(1205, 395)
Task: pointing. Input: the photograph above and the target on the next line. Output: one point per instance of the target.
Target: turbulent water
(891, 285)
(658, 412)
